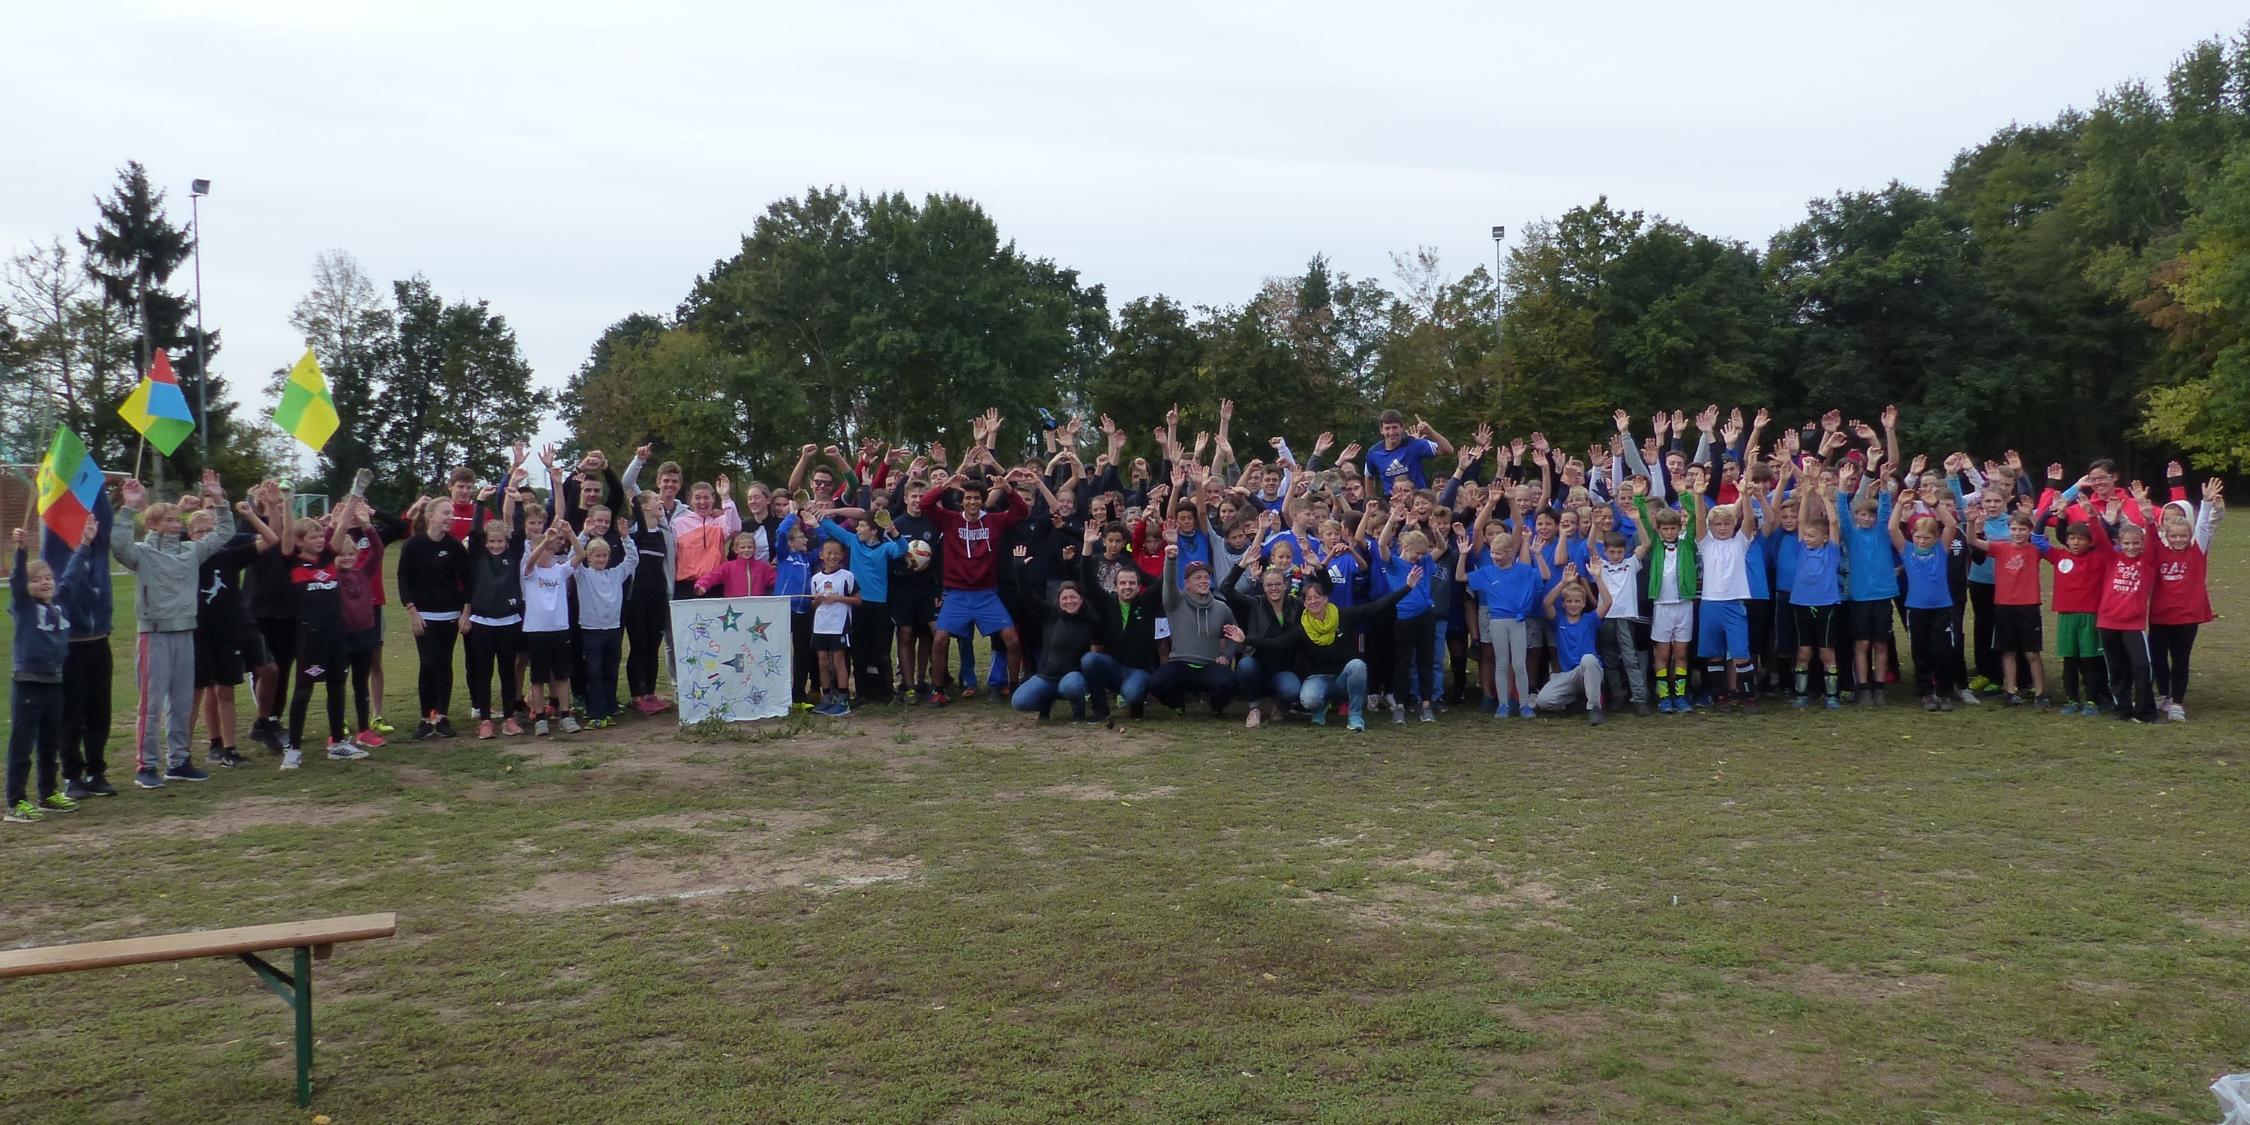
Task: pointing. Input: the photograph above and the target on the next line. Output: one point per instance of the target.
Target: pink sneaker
(510, 726)
(369, 739)
(660, 703)
(646, 705)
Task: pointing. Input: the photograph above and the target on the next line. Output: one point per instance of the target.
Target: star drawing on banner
(727, 619)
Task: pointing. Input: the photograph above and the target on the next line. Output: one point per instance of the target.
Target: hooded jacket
(1197, 620)
(167, 566)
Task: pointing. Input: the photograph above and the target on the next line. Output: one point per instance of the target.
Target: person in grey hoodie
(601, 573)
(42, 644)
(166, 564)
(1203, 638)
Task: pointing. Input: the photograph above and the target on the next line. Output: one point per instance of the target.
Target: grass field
(1986, 916)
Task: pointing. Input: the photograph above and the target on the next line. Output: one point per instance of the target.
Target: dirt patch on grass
(1095, 792)
(2227, 923)
(1863, 986)
(727, 821)
(634, 880)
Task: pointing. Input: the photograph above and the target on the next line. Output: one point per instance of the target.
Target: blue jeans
(1103, 675)
(1257, 683)
(1039, 693)
(1349, 684)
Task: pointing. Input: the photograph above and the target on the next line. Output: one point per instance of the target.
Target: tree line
(2079, 287)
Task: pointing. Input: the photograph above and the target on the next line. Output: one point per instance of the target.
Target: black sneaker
(76, 790)
(186, 772)
(267, 733)
(424, 731)
(99, 786)
(226, 758)
(150, 779)
(444, 728)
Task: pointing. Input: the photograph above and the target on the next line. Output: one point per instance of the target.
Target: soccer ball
(918, 555)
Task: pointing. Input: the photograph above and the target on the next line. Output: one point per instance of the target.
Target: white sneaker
(1250, 721)
(345, 751)
(1428, 716)
(570, 724)
(1968, 695)
(291, 758)
(540, 727)
(2175, 712)
(1398, 711)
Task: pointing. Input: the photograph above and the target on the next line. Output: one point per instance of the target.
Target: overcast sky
(575, 162)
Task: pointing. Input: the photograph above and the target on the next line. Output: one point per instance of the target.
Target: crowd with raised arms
(1700, 564)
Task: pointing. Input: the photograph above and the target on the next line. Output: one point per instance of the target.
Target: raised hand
(547, 456)
(1539, 443)
(1350, 453)
(2054, 470)
(1172, 416)
(2173, 470)
(211, 486)
(2214, 492)
(132, 492)
(1108, 427)
(1890, 417)
(1831, 421)
(1921, 461)
(721, 485)
(1226, 409)
(1323, 443)
(1679, 422)
(1758, 422)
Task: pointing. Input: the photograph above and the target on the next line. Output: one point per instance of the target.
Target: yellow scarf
(1321, 630)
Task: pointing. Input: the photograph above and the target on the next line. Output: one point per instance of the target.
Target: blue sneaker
(2070, 708)
(1800, 702)
(1833, 703)
(1355, 723)
(1526, 711)
(2090, 710)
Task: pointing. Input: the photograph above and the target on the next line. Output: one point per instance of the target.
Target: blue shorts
(973, 609)
(1722, 630)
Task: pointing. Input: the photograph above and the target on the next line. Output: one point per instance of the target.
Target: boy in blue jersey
(1815, 592)
(1505, 590)
(1399, 457)
(1873, 580)
(1577, 614)
(1924, 544)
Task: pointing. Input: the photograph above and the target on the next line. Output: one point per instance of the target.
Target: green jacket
(1688, 588)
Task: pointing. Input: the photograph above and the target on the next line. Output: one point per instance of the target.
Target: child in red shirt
(2121, 618)
(2080, 571)
(2018, 633)
(2182, 598)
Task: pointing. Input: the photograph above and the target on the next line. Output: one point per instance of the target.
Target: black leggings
(2168, 649)
(323, 662)
(1411, 639)
(1930, 631)
(434, 683)
(362, 665)
(2131, 691)
(645, 619)
(1981, 595)
(492, 648)
(1382, 655)
(85, 718)
(807, 672)
(871, 650)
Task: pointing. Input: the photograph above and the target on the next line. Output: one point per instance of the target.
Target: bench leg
(295, 989)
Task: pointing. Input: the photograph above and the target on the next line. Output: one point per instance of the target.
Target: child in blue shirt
(1578, 617)
(1506, 589)
(1929, 596)
(1417, 618)
(41, 647)
(793, 564)
(1872, 562)
(1815, 591)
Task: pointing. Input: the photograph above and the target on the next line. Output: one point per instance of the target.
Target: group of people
(1693, 567)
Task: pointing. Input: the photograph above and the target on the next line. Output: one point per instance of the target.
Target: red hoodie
(2125, 596)
(2079, 578)
(971, 547)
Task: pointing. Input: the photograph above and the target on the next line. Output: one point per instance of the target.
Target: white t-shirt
(1726, 573)
(1667, 563)
(546, 597)
(833, 618)
(1624, 582)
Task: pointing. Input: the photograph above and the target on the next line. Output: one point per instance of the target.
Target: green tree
(457, 391)
(2201, 300)
(1156, 358)
(131, 254)
(352, 334)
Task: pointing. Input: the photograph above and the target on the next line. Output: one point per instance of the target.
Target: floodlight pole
(197, 189)
(1499, 265)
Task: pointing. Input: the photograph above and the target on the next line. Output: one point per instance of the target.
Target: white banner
(733, 658)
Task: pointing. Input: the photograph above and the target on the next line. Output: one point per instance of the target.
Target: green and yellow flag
(306, 411)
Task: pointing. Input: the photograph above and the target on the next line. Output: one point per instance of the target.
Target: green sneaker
(59, 803)
(23, 812)
(382, 726)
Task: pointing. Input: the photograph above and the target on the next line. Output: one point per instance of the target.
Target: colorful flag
(157, 408)
(69, 485)
(306, 411)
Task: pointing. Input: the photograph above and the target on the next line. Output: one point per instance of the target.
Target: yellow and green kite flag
(306, 411)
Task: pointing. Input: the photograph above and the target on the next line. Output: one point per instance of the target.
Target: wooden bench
(312, 940)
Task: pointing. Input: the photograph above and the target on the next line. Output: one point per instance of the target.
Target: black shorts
(1815, 625)
(366, 640)
(550, 656)
(281, 639)
(319, 654)
(254, 652)
(913, 609)
(2018, 628)
(1871, 621)
(828, 642)
(1784, 623)
(218, 660)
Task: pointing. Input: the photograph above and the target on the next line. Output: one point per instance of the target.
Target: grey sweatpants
(1626, 666)
(1509, 636)
(166, 678)
(1567, 687)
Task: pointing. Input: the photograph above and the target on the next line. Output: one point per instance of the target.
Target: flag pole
(137, 451)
